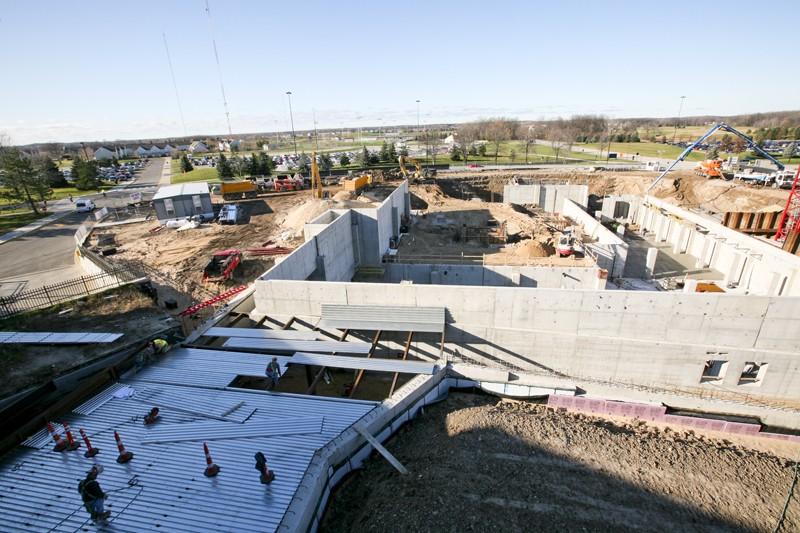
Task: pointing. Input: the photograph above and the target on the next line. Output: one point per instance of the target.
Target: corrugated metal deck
(258, 333)
(49, 337)
(362, 363)
(255, 427)
(383, 318)
(163, 487)
(279, 345)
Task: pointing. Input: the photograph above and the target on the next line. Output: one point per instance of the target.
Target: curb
(39, 224)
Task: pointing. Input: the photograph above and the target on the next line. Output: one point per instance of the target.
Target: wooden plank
(381, 450)
(369, 354)
(405, 356)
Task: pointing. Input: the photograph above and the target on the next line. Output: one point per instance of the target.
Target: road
(47, 254)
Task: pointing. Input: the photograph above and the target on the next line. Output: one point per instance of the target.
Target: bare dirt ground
(715, 195)
(479, 463)
(433, 233)
(126, 310)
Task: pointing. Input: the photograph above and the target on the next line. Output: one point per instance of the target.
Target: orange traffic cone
(72, 444)
(211, 469)
(90, 452)
(60, 444)
(124, 455)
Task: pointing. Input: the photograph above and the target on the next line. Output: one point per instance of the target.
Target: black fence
(65, 291)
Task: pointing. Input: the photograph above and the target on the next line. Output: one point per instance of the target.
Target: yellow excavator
(419, 173)
(316, 180)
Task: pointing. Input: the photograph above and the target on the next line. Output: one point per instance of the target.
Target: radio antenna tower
(219, 70)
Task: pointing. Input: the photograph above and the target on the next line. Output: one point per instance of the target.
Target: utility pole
(418, 101)
(291, 119)
(316, 135)
(680, 109)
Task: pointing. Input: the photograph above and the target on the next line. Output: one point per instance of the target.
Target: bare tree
(498, 130)
(466, 135)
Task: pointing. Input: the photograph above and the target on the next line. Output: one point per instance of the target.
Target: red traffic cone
(61, 445)
(124, 455)
(90, 452)
(72, 444)
(211, 469)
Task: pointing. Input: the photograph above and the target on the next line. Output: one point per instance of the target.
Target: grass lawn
(198, 174)
(648, 149)
(17, 220)
(536, 154)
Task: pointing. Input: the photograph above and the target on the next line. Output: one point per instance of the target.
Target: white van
(84, 205)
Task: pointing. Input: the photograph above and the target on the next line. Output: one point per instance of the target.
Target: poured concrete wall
(377, 225)
(610, 250)
(496, 276)
(650, 339)
(755, 266)
(548, 196)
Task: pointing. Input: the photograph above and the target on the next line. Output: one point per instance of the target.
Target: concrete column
(701, 258)
(687, 240)
(677, 238)
(690, 285)
(732, 275)
(650, 263)
(663, 228)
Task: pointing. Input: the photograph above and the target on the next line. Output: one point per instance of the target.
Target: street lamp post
(291, 119)
(418, 101)
(680, 109)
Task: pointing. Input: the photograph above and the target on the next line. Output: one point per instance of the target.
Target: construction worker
(92, 495)
(159, 346)
(273, 373)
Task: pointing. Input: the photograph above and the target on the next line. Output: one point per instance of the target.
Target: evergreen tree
(383, 155)
(265, 165)
(344, 160)
(224, 170)
(363, 157)
(86, 175)
(455, 153)
(50, 172)
(392, 152)
(482, 150)
(303, 163)
(713, 152)
(21, 181)
(325, 163)
(186, 165)
(473, 150)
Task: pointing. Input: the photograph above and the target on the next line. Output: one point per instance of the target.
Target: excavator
(419, 173)
(316, 180)
(716, 127)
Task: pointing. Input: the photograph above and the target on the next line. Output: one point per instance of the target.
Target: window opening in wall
(198, 204)
(752, 373)
(169, 206)
(714, 371)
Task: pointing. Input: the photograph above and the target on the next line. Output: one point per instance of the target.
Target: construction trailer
(174, 202)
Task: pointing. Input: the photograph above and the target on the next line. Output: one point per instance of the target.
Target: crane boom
(751, 144)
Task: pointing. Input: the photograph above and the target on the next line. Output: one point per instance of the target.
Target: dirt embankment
(482, 464)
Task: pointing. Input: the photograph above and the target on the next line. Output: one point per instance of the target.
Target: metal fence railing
(56, 293)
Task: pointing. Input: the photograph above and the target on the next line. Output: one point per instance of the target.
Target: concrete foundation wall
(755, 266)
(650, 339)
(610, 250)
(496, 276)
(377, 225)
(548, 196)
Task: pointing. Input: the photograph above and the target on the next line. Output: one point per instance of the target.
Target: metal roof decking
(280, 345)
(362, 363)
(258, 333)
(163, 487)
(49, 337)
(383, 318)
(255, 427)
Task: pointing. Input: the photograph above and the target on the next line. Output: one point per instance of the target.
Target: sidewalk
(33, 226)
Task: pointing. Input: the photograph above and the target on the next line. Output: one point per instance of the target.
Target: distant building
(168, 149)
(141, 151)
(198, 147)
(229, 145)
(182, 201)
(450, 140)
(104, 153)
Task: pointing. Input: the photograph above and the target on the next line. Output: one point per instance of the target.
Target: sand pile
(533, 248)
(306, 210)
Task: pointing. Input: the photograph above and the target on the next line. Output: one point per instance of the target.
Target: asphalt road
(52, 246)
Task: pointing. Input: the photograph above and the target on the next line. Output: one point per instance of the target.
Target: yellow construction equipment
(419, 173)
(356, 184)
(316, 180)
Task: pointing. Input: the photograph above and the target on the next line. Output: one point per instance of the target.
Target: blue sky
(92, 70)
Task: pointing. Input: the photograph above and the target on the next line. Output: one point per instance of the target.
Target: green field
(198, 174)
(9, 222)
(647, 149)
(537, 153)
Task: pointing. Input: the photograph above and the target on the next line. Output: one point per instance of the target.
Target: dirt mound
(304, 211)
(534, 248)
(482, 464)
(342, 196)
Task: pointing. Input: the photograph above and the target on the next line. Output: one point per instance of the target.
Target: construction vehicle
(716, 127)
(229, 214)
(710, 168)
(316, 180)
(356, 184)
(222, 265)
(419, 173)
(755, 176)
(236, 190)
(568, 244)
(288, 183)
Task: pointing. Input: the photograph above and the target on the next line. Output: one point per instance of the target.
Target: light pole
(418, 101)
(291, 119)
(680, 108)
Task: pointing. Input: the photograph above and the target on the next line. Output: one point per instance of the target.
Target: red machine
(222, 265)
(789, 223)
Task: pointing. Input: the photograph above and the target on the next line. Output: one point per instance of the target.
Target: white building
(198, 147)
(450, 140)
(141, 151)
(104, 153)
